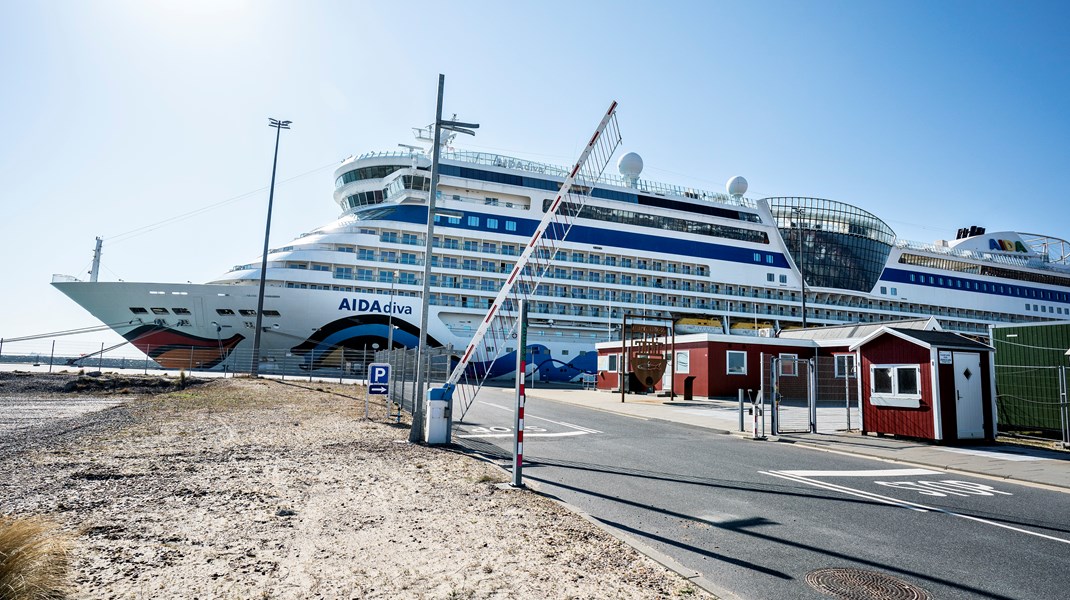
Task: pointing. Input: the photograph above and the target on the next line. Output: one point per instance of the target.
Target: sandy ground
(258, 489)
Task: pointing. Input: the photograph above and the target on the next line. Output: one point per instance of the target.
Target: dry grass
(33, 559)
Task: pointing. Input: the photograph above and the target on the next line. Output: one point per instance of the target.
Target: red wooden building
(933, 385)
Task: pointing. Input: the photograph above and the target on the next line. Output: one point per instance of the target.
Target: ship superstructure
(711, 261)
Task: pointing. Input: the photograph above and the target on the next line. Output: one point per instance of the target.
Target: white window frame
(895, 398)
(728, 362)
(683, 361)
(791, 359)
(841, 364)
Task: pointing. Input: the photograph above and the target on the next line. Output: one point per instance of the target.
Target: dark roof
(942, 339)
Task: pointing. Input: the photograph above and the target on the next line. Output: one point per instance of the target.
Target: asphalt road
(757, 517)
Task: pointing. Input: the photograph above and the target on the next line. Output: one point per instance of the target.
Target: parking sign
(379, 379)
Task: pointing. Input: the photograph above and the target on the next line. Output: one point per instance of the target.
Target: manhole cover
(856, 584)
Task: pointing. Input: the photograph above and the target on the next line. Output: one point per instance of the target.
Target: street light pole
(255, 368)
(799, 212)
(390, 318)
(416, 433)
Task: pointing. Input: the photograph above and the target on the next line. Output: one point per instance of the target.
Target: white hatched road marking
(902, 503)
(994, 454)
(527, 434)
(561, 423)
(869, 473)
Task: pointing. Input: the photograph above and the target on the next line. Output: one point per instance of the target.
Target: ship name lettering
(1006, 245)
(374, 306)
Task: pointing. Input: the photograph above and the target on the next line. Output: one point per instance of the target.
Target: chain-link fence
(812, 395)
(1033, 399)
(337, 362)
(403, 366)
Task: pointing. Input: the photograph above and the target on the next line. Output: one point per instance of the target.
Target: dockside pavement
(1029, 465)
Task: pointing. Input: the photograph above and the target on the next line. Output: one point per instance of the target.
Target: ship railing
(520, 164)
(57, 278)
(1030, 262)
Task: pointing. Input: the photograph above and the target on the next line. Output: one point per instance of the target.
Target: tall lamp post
(390, 318)
(416, 433)
(799, 212)
(255, 368)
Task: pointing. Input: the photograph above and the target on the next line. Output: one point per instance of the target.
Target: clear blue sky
(123, 114)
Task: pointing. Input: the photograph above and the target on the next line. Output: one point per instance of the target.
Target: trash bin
(689, 387)
(438, 415)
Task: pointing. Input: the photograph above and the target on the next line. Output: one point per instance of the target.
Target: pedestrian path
(1004, 461)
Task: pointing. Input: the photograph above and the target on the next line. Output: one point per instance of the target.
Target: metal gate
(791, 380)
(836, 394)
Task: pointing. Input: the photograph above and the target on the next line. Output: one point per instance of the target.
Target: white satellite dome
(630, 166)
(736, 187)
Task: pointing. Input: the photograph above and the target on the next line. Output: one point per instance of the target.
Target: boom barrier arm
(607, 149)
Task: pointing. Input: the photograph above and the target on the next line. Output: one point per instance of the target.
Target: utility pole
(255, 368)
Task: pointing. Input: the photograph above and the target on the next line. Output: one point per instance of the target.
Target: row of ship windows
(1055, 310)
(159, 310)
(638, 219)
(410, 278)
(372, 197)
(743, 306)
(996, 288)
(947, 264)
(411, 258)
(473, 221)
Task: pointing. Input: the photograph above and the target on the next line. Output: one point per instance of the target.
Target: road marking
(905, 503)
(869, 473)
(526, 434)
(947, 487)
(994, 454)
(529, 416)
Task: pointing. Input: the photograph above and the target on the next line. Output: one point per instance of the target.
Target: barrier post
(51, 356)
(518, 432)
(741, 410)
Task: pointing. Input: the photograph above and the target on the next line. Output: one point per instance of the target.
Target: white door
(968, 399)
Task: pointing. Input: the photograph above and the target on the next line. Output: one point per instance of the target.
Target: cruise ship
(710, 261)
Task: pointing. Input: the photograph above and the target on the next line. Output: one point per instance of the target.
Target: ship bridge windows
(247, 312)
(160, 311)
(375, 172)
(180, 311)
(362, 199)
(224, 312)
(137, 310)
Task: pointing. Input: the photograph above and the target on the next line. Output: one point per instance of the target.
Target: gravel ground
(243, 488)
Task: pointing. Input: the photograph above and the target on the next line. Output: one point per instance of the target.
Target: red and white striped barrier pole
(521, 363)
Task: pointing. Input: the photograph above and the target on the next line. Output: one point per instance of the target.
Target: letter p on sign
(379, 373)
